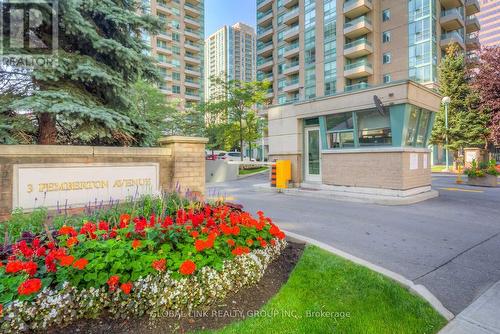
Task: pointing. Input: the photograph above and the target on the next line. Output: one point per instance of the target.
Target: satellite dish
(379, 105)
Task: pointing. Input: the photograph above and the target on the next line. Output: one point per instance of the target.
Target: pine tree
(84, 98)
(466, 124)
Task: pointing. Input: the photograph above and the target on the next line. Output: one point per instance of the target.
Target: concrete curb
(418, 289)
(352, 197)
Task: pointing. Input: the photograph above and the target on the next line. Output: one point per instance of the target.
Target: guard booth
(281, 174)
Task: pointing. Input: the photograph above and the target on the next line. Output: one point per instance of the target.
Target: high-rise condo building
(179, 48)
(230, 54)
(353, 94)
(490, 23)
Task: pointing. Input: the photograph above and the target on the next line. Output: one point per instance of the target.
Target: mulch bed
(235, 307)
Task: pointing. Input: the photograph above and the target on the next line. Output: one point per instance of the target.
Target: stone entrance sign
(75, 185)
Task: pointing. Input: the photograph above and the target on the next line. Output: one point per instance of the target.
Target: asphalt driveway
(450, 244)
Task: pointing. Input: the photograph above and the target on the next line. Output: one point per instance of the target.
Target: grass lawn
(252, 171)
(438, 168)
(324, 282)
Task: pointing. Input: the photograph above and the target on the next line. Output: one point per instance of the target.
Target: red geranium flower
(188, 267)
(80, 264)
(113, 282)
(30, 268)
(103, 226)
(160, 265)
(67, 260)
(30, 286)
(126, 287)
(14, 267)
(249, 242)
(273, 242)
(240, 250)
(199, 245)
(136, 244)
(124, 220)
(230, 242)
(263, 243)
(195, 234)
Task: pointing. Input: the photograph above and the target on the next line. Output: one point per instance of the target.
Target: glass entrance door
(313, 155)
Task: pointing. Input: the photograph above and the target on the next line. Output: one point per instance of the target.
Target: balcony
(270, 93)
(355, 8)
(472, 24)
(191, 33)
(192, 97)
(292, 85)
(164, 8)
(265, 18)
(192, 84)
(451, 37)
(265, 76)
(452, 3)
(164, 50)
(263, 5)
(291, 17)
(358, 69)
(192, 46)
(265, 34)
(192, 10)
(166, 36)
(358, 27)
(472, 7)
(451, 19)
(193, 71)
(291, 33)
(358, 48)
(192, 22)
(472, 42)
(265, 49)
(292, 50)
(265, 64)
(192, 59)
(291, 68)
(166, 90)
(355, 87)
(290, 3)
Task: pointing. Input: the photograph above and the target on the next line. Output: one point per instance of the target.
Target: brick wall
(181, 161)
(384, 169)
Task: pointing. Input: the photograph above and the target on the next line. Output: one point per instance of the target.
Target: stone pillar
(188, 162)
(473, 153)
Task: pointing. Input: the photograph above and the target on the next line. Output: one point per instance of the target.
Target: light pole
(446, 102)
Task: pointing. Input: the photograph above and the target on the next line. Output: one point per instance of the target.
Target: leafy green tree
(85, 97)
(235, 103)
(466, 124)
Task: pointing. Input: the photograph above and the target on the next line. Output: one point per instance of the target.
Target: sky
(227, 12)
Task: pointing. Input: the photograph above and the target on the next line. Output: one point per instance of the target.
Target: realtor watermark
(30, 33)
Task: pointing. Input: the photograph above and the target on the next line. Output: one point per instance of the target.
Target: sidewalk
(480, 317)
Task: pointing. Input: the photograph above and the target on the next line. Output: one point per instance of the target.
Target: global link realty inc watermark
(29, 33)
(271, 313)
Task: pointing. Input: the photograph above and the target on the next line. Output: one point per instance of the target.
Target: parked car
(213, 155)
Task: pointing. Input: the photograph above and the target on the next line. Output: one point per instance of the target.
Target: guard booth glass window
(374, 128)
(340, 130)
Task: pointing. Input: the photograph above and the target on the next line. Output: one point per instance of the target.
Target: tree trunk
(241, 139)
(47, 131)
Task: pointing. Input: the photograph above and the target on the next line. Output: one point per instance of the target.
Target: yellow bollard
(283, 173)
(459, 174)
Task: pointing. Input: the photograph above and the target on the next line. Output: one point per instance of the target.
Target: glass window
(412, 126)
(176, 75)
(341, 139)
(374, 128)
(386, 58)
(386, 15)
(311, 121)
(339, 122)
(423, 124)
(387, 78)
(386, 36)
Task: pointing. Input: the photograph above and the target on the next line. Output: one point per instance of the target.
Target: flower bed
(134, 266)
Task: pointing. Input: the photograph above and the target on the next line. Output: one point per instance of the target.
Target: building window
(387, 78)
(386, 36)
(340, 130)
(176, 89)
(176, 76)
(176, 37)
(386, 15)
(386, 58)
(374, 128)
